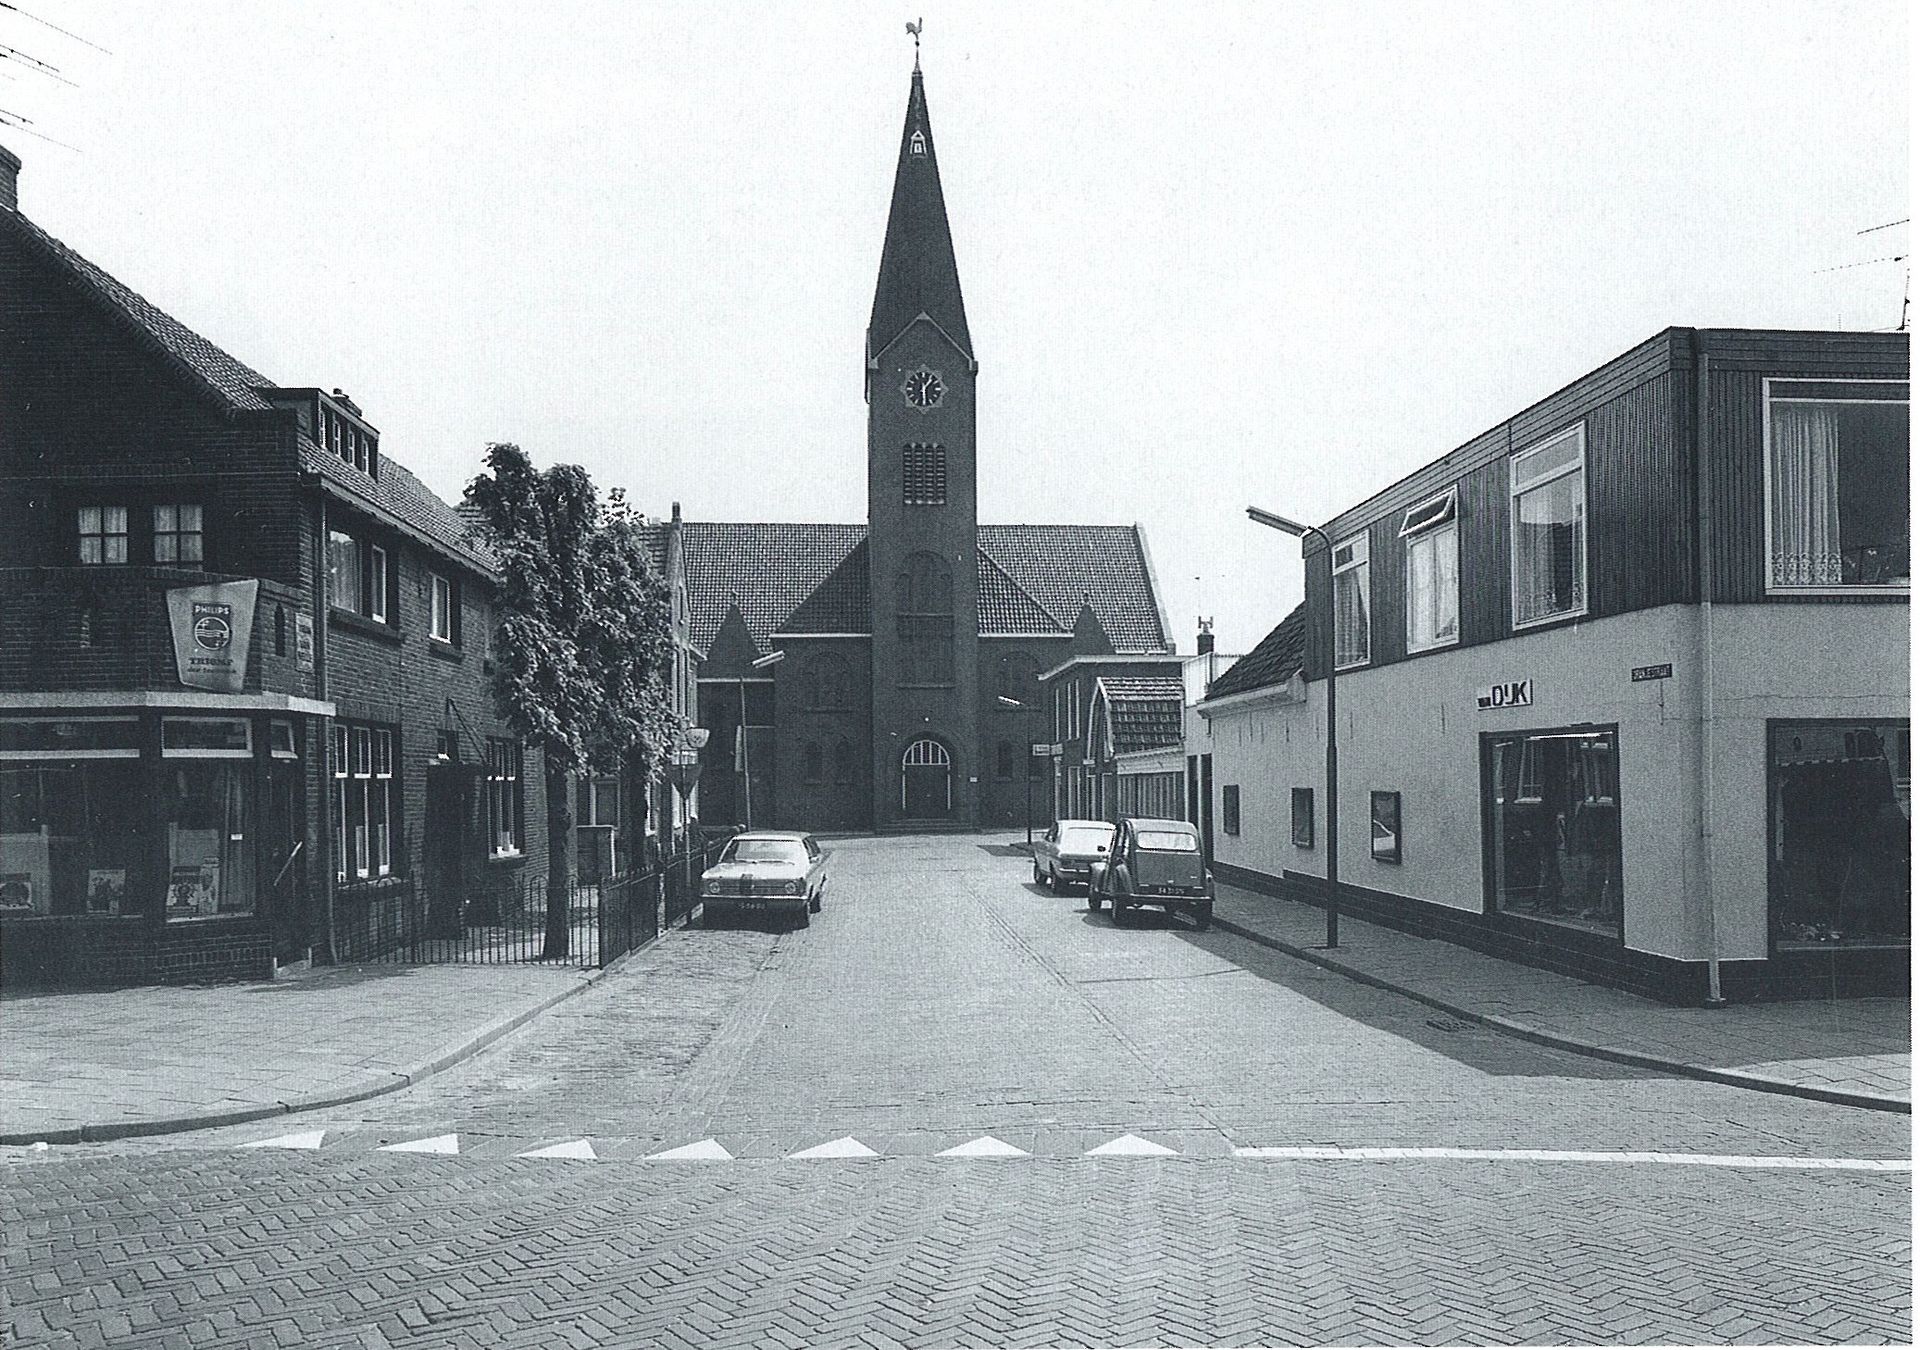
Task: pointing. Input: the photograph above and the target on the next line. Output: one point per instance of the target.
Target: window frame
(1416, 531)
(377, 573)
(1517, 489)
(1361, 563)
(356, 594)
(1767, 400)
(1302, 838)
(1230, 809)
(180, 534)
(1376, 799)
(437, 583)
(103, 536)
(506, 797)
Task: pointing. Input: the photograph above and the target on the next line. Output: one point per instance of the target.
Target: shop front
(154, 842)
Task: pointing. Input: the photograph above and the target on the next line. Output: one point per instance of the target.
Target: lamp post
(1028, 810)
(746, 769)
(1299, 531)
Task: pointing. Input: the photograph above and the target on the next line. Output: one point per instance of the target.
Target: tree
(585, 644)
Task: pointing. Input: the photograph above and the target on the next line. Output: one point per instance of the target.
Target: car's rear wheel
(1203, 918)
(1119, 911)
(1093, 900)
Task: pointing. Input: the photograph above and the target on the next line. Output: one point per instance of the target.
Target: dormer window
(347, 440)
(918, 144)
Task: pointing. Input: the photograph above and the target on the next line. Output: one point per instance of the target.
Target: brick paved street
(940, 999)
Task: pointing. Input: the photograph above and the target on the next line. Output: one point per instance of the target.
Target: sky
(1213, 254)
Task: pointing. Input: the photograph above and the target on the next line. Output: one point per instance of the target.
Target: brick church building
(887, 674)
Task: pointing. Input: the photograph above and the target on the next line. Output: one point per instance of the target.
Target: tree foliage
(585, 641)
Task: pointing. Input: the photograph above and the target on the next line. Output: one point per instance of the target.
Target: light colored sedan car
(1064, 855)
(768, 871)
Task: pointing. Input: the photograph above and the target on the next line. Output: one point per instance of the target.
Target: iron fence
(397, 921)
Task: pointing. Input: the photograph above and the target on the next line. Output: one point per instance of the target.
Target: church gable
(1063, 567)
(769, 570)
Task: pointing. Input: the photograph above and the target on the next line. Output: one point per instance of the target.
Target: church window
(926, 620)
(918, 143)
(924, 475)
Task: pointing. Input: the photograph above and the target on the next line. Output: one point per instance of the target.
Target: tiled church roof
(813, 579)
(1273, 660)
(1063, 566)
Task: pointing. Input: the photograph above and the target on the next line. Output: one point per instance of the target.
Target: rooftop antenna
(915, 28)
(1906, 286)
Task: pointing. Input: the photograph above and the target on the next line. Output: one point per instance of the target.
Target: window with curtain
(178, 534)
(1550, 528)
(1351, 605)
(1837, 484)
(344, 572)
(366, 801)
(103, 534)
(505, 801)
(1432, 535)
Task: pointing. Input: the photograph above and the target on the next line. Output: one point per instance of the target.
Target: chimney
(9, 180)
(1204, 643)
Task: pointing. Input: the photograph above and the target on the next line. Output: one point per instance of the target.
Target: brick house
(244, 712)
(887, 673)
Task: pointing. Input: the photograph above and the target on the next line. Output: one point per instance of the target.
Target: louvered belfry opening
(924, 475)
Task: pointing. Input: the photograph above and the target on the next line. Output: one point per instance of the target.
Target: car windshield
(1086, 837)
(766, 850)
(1168, 841)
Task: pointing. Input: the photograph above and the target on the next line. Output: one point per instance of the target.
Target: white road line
(986, 1146)
(440, 1143)
(1130, 1146)
(579, 1148)
(707, 1150)
(846, 1146)
(305, 1139)
(1321, 1152)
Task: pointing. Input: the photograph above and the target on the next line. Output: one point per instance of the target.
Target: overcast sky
(1212, 254)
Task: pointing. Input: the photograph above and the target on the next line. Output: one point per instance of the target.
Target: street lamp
(1299, 531)
(1028, 811)
(746, 770)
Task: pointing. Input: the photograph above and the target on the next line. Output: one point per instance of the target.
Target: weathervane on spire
(914, 29)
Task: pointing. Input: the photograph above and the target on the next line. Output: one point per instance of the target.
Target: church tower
(922, 515)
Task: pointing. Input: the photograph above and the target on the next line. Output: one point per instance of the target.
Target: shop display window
(1840, 804)
(1553, 821)
(206, 736)
(71, 833)
(208, 809)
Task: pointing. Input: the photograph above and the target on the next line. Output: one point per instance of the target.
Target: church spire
(917, 272)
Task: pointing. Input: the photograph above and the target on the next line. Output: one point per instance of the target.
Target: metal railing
(397, 921)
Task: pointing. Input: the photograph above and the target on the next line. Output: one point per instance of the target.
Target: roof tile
(1273, 660)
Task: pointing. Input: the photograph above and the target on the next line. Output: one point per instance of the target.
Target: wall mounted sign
(1511, 694)
(212, 633)
(1663, 671)
(303, 641)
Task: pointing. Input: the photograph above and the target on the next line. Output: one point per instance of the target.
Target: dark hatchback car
(1154, 863)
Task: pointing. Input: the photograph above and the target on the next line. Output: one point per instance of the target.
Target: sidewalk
(1853, 1051)
(102, 1064)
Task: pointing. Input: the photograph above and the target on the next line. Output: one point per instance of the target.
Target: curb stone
(1869, 1101)
(377, 1085)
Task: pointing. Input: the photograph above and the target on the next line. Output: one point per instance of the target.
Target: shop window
(1837, 484)
(1840, 803)
(69, 738)
(67, 840)
(812, 764)
(1550, 529)
(505, 798)
(179, 535)
(1230, 808)
(1431, 532)
(1552, 811)
(103, 534)
(1352, 604)
(366, 801)
(445, 611)
(1303, 817)
(1385, 831)
(226, 737)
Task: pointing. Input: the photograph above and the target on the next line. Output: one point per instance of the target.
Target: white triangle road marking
(440, 1143)
(986, 1146)
(707, 1150)
(1130, 1146)
(844, 1147)
(579, 1148)
(305, 1139)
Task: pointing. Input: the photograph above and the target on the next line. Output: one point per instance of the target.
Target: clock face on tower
(923, 388)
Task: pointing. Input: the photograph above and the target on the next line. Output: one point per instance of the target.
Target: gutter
(1291, 690)
(1703, 489)
(321, 582)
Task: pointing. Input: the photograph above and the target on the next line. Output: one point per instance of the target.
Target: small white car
(1064, 856)
(769, 871)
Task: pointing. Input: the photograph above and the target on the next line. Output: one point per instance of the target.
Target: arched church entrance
(926, 781)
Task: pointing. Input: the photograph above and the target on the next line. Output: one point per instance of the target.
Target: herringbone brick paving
(919, 1014)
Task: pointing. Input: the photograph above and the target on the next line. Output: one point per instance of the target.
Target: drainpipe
(320, 582)
(1703, 481)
